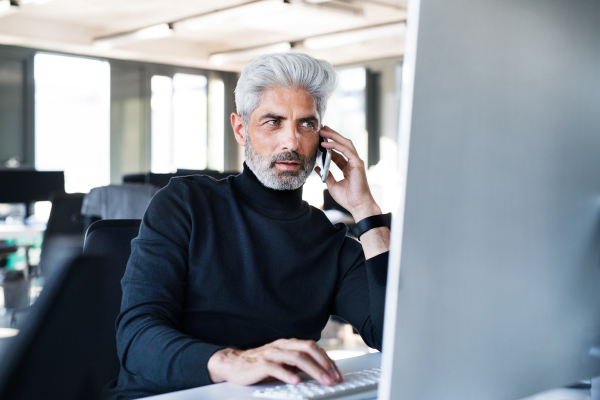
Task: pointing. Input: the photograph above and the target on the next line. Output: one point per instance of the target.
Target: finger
(310, 345)
(350, 154)
(334, 372)
(330, 180)
(339, 160)
(312, 349)
(279, 372)
(340, 375)
(329, 133)
(303, 361)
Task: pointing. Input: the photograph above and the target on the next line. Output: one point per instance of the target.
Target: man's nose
(290, 139)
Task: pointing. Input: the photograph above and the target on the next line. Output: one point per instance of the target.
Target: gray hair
(288, 70)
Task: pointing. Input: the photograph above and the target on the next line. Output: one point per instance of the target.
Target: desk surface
(228, 391)
(15, 231)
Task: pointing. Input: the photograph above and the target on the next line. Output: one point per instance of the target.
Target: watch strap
(374, 221)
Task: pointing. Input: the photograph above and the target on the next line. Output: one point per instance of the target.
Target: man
(234, 280)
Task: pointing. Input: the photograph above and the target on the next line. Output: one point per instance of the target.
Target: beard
(265, 168)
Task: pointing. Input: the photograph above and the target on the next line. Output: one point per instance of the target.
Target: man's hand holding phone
(280, 359)
(353, 191)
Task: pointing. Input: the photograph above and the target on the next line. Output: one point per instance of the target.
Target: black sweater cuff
(377, 268)
(198, 356)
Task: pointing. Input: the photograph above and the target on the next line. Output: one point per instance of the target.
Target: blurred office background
(104, 92)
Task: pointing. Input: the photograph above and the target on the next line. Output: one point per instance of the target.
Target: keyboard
(355, 383)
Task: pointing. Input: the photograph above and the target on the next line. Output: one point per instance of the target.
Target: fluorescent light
(152, 32)
(287, 17)
(248, 54)
(304, 20)
(355, 36)
(36, 2)
(6, 8)
(316, 1)
(8, 332)
(219, 18)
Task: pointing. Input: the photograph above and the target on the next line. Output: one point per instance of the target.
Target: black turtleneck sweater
(231, 263)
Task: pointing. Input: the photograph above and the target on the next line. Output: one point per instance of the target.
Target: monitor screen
(494, 280)
(26, 186)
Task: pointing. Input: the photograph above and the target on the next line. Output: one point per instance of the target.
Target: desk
(16, 231)
(228, 391)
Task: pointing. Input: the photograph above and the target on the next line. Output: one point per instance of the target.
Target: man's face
(282, 138)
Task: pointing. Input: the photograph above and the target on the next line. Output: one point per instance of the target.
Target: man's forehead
(282, 101)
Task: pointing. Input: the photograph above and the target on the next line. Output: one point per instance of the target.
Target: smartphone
(323, 159)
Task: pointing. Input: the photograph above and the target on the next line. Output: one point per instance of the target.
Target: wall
(16, 107)
(129, 128)
(130, 112)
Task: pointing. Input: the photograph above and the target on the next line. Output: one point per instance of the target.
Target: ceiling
(220, 26)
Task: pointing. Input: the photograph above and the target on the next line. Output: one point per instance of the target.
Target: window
(189, 121)
(162, 124)
(346, 109)
(72, 119)
(216, 125)
(179, 123)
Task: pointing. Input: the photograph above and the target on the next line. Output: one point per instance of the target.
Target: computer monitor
(494, 280)
(65, 349)
(27, 186)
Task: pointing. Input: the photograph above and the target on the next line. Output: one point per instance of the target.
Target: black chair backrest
(65, 215)
(111, 239)
(102, 235)
(62, 351)
(67, 347)
(65, 228)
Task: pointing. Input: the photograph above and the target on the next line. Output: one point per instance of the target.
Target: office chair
(123, 201)
(62, 351)
(67, 347)
(65, 215)
(111, 239)
(65, 225)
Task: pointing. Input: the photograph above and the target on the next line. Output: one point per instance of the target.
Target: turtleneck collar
(277, 204)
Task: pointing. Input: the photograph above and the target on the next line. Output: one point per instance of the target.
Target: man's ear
(239, 130)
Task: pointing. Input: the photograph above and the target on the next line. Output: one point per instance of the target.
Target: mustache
(288, 156)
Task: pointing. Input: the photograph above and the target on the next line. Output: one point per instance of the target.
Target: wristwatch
(374, 221)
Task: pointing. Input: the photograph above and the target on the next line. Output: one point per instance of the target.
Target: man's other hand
(280, 360)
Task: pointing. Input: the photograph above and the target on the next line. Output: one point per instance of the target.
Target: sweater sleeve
(360, 296)
(149, 343)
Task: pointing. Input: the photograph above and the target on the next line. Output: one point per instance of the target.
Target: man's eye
(273, 122)
(308, 124)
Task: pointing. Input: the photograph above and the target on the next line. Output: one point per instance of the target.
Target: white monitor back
(494, 282)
